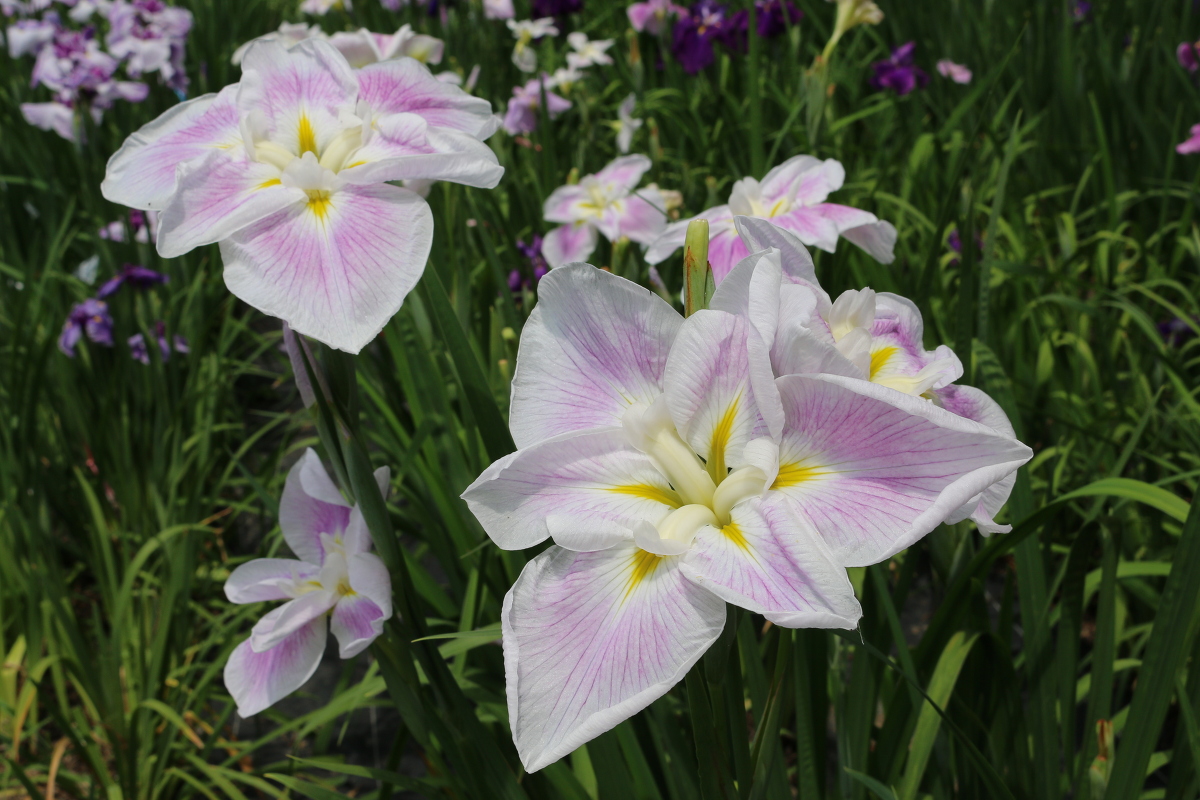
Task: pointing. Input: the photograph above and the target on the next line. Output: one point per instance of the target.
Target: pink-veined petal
(142, 173)
(563, 204)
(268, 579)
(290, 617)
(219, 195)
(406, 85)
(810, 227)
(405, 147)
(590, 639)
(804, 179)
(625, 172)
(862, 228)
(977, 405)
(569, 243)
(310, 506)
(296, 97)
(720, 390)
(336, 270)
(769, 561)
(752, 290)
(725, 250)
(641, 217)
(873, 470)
(794, 258)
(588, 490)
(356, 622)
(594, 345)
(259, 680)
(720, 220)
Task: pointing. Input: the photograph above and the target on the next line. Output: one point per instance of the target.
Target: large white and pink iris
(675, 473)
(289, 171)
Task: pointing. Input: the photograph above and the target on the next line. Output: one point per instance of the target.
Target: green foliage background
(128, 493)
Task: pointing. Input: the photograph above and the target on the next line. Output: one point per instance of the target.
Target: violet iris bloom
(90, 317)
(693, 39)
(1187, 53)
(774, 16)
(898, 72)
(1081, 11)
(1191, 144)
(533, 252)
(651, 16)
(150, 36)
(135, 275)
(522, 116)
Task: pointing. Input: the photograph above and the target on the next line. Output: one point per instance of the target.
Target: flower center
(705, 501)
(334, 156)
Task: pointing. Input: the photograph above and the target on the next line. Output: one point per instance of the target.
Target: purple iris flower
(1188, 55)
(90, 317)
(537, 262)
(139, 351)
(954, 241)
(899, 73)
(774, 16)
(1177, 331)
(150, 36)
(135, 275)
(692, 43)
(556, 8)
(1081, 11)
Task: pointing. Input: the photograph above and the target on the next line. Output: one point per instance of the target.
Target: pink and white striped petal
(720, 220)
(874, 470)
(570, 243)
(625, 172)
(142, 173)
(564, 204)
(975, 404)
(405, 85)
(590, 639)
(259, 680)
(811, 227)
(594, 345)
(641, 217)
(219, 195)
(805, 180)
(587, 489)
(720, 390)
(406, 147)
(767, 560)
(311, 506)
(290, 617)
(269, 579)
(358, 618)
(296, 97)
(794, 258)
(862, 228)
(338, 269)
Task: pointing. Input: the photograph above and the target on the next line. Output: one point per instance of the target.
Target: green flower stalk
(851, 13)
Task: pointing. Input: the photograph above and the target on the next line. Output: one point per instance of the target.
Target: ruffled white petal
(259, 680)
(268, 579)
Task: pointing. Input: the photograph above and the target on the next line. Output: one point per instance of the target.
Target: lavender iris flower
(90, 317)
(693, 38)
(135, 275)
(1188, 54)
(1177, 331)
(1081, 11)
(898, 72)
(774, 17)
(139, 351)
(533, 252)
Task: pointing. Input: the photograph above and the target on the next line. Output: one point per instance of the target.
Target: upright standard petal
(874, 470)
(720, 390)
(569, 243)
(805, 180)
(259, 680)
(590, 639)
(405, 85)
(269, 579)
(219, 195)
(586, 489)
(296, 97)
(794, 258)
(769, 561)
(142, 173)
(624, 172)
(311, 506)
(336, 268)
(594, 345)
(641, 217)
(405, 147)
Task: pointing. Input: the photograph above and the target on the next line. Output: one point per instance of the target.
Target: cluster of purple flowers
(519, 279)
(708, 22)
(92, 319)
(143, 37)
(898, 72)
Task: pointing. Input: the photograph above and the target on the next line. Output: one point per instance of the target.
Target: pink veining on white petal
(259, 680)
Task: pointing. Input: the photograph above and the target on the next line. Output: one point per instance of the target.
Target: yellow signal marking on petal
(647, 492)
(880, 358)
(308, 139)
(793, 474)
(355, 164)
(720, 440)
(644, 564)
(318, 203)
(735, 535)
(272, 182)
